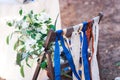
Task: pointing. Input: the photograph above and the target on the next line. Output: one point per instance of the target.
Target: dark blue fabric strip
(57, 60)
(68, 55)
(85, 53)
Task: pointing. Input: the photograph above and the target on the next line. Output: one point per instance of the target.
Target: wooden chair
(50, 71)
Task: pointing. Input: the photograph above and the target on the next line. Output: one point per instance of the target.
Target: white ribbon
(75, 45)
(94, 62)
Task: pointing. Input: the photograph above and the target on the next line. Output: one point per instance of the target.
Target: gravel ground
(76, 11)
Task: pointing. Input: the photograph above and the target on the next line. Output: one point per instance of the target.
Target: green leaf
(21, 42)
(48, 21)
(29, 18)
(33, 36)
(40, 44)
(7, 40)
(31, 11)
(52, 27)
(27, 61)
(22, 49)
(19, 27)
(36, 24)
(24, 18)
(16, 45)
(22, 71)
(9, 24)
(43, 36)
(19, 59)
(29, 32)
(20, 12)
(43, 65)
(35, 16)
(27, 58)
(9, 37)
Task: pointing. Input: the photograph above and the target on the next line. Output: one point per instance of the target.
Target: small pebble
(86, 3)
(92, 3)
(106, 51)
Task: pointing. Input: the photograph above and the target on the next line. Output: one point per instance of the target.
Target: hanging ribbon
(67, 54)
(85, 52)
(57, 70)
(75, 44)
(81, 71)
(94, 63)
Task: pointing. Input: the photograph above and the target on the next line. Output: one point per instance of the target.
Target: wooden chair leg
(35, 76)
(50, 71)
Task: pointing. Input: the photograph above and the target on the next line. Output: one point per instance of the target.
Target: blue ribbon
(69, 56)
(57, 70)
(57, 56)
(85, 52)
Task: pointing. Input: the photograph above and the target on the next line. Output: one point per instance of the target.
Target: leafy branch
(31, 31)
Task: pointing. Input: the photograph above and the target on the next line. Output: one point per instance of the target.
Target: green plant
(31, 33)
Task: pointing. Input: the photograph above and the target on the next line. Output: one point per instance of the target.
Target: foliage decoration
(31, 33)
